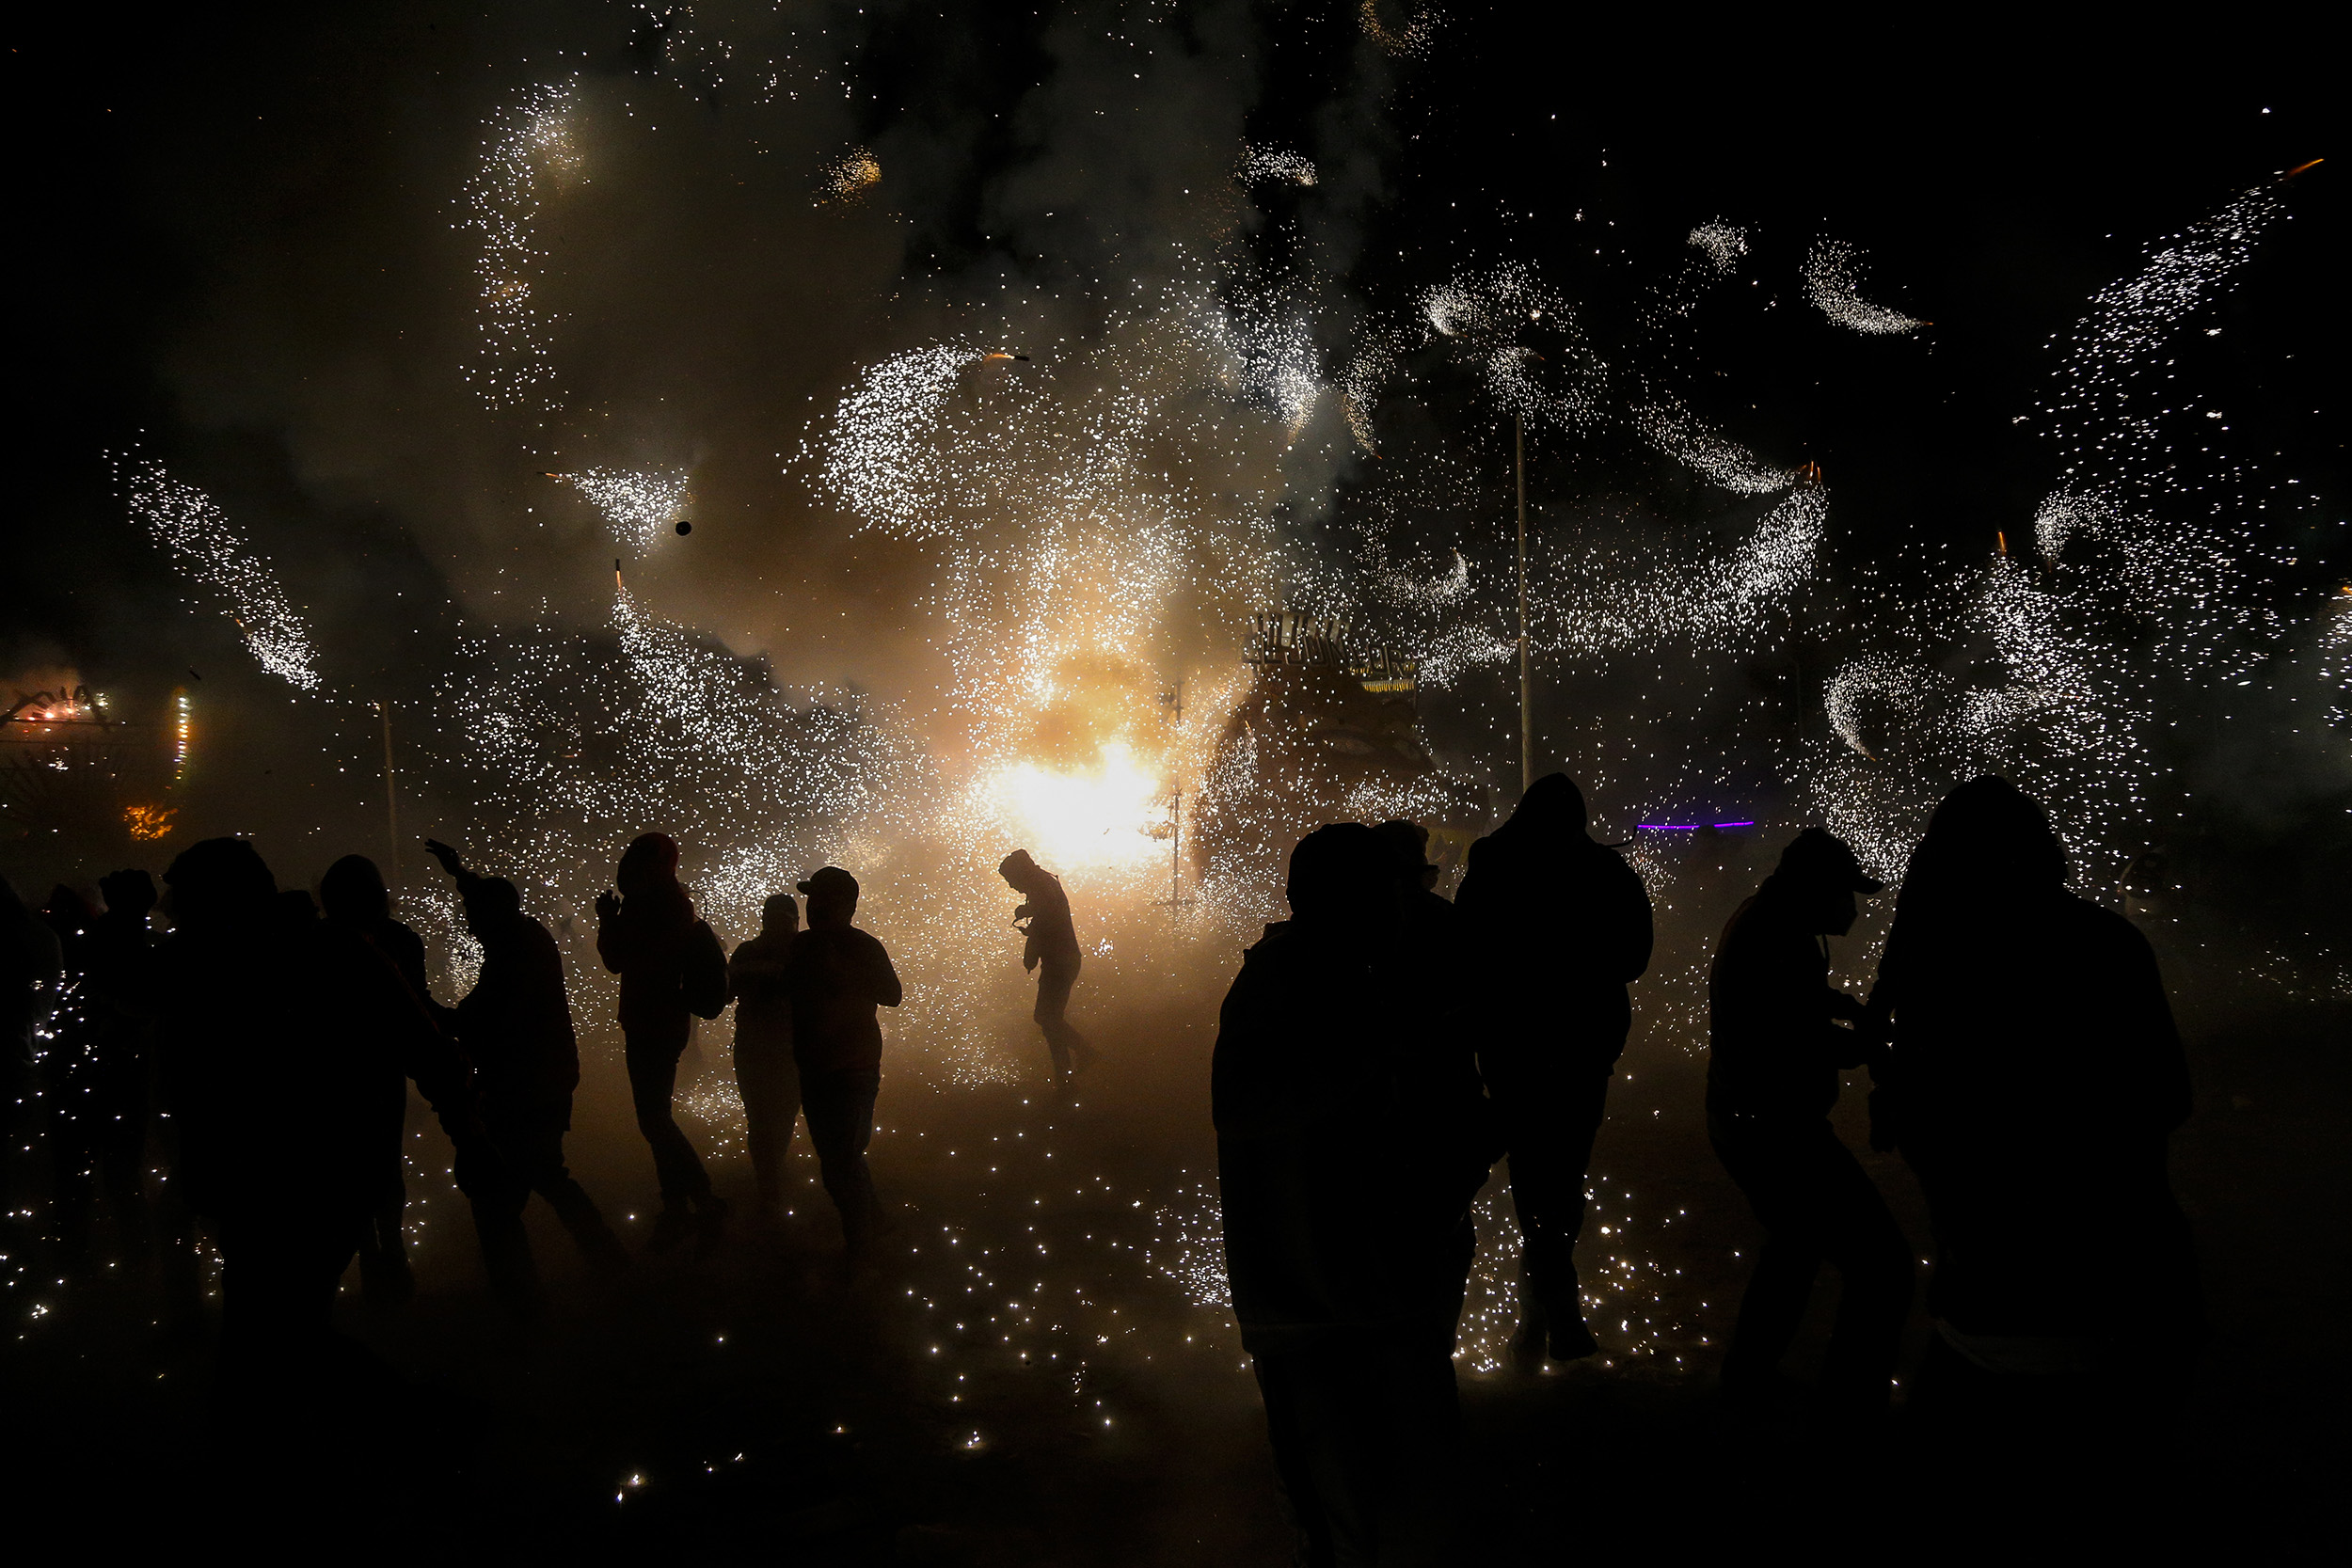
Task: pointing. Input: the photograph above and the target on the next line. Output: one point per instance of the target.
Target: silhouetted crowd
(1380, 1050)
(1378, 1055)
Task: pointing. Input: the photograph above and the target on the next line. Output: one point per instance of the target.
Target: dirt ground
(1035, 1370)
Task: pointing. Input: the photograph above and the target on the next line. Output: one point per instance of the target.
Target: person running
(1052, 951)
(837, 977)
(647, 934)
(759, 983)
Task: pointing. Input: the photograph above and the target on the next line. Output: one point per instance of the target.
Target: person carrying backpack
(671, 971)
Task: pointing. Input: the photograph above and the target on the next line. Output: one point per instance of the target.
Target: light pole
(392, 791)
(1527, 737)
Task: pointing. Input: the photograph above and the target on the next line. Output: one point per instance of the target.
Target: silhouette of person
(281, 1039)
(1346, 1180)
(97, 1093)
(32, 961)
(1772, 1077)
(2032, 1081)
(1558, 927)
(354, 895)
(647, 934)
(759, 983)
(516, 1028)
(837, 977)
(1052, 950)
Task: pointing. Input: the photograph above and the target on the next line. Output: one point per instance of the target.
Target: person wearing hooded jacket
(2033, 1078)
(647, 934)
(1347, 1158)
(1775, 1049)
(1050, 947)
(1557, 927)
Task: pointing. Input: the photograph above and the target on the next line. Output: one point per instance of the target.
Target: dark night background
(1997, 169)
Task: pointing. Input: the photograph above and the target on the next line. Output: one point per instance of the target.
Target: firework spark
(215, 552)
(1833, 281)
(530, 147)
(638, 506)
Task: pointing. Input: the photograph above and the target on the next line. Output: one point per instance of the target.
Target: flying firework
(638, 505)
(848, 177)
(530, 149)
(2064, 706)
(1722, 242)
(212, 550)
(1267, 163)
(1833, 281)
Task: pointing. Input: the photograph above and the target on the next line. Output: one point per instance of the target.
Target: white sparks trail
(1717, 601)
(214, 551)
(1722, 242)
(1399, 28)
(1268, 163)
(847, 179)
(1833, 281)
(530, 151)
(2061, 700)
(640, 506)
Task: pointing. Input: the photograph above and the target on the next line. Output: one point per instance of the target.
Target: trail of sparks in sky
(215, 552)
(530, 147)
(1833, 281)
(1722, 242)
(1269, 163)
(640, 506)
(2065, 704)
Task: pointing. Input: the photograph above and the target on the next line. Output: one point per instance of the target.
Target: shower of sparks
(214, 552)
(1267, 163)
(1833, 281)
(1093, 524)
(530, 150)
(848, 177)
(1398, 29)
(2062, 701)
(640, 506)
(1722, 242)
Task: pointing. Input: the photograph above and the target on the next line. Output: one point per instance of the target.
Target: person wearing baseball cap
(837, 975)
(1776, 1048)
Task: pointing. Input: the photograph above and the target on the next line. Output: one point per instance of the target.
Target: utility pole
(1174, 703)
(1527, 737)
(392, 791)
